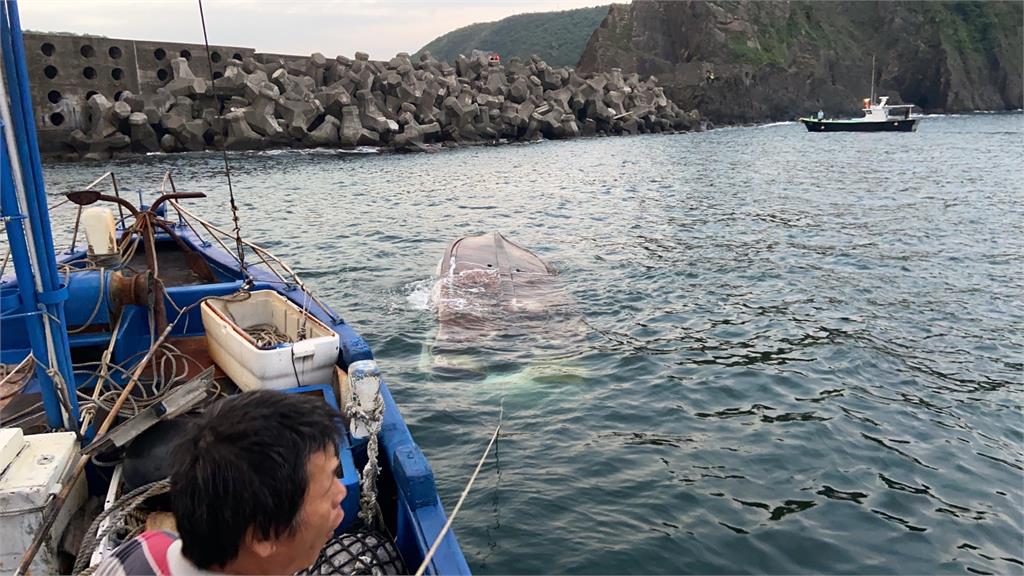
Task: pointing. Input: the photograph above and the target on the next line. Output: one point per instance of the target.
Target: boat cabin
(882, 111)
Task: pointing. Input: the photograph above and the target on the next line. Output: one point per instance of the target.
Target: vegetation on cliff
(557, 37)
(776, 60)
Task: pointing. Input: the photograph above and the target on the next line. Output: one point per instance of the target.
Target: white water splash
(772, 124)
(418, 294)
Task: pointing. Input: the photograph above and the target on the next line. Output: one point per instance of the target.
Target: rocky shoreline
(397, 105)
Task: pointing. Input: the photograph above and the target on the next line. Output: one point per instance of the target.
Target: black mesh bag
(357, 553)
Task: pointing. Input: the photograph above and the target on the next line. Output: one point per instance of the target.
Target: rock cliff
(745, 61)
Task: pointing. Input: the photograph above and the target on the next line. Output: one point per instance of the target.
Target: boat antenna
(872, 73)
(227, 168)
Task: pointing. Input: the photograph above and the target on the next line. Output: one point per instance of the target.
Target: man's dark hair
(242, 465)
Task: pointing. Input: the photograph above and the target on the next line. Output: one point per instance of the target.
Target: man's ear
(260, 547)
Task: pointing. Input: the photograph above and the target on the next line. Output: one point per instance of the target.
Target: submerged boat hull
(906, 125)
(501, 309)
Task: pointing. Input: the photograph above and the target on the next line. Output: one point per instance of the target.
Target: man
(255, 491)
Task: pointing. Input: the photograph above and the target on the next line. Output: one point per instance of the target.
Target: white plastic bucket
(302, 363)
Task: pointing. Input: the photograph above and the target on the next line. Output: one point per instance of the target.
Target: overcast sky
(380, 27)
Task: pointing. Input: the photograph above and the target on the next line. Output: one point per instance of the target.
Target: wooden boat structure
(156, 314)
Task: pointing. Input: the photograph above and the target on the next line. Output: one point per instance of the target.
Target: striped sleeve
(144, 555)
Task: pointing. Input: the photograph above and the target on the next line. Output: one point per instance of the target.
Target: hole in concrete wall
(209, 136)
(56, 118)
(90, 94)
(47, 49)
(117, 95)
(159, 54)
(114, 52)
(218, 75)
(215, 56)
(186, 54)
(87, 51)
(50, 72)
(117, 74)
(162, 74)
(53, 96)
(89, 72)
(237, 56)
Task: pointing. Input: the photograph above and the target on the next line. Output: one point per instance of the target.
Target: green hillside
(557, 37)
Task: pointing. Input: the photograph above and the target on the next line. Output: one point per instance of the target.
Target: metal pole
(74, 235)
(24, 181)
(113, 182)
(872, 80)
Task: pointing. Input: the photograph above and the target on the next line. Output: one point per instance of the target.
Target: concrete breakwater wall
(65, 70)
(260, 101)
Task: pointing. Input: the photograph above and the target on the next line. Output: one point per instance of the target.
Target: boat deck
(173, 265)
(26, 408)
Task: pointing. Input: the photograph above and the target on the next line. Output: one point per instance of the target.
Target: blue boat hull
(413, 511)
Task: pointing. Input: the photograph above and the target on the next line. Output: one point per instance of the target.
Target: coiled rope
(122, 510)
(267, 336)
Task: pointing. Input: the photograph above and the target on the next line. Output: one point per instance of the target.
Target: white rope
(104, 370)
(263, 255)
(373, 420)
(465, 492)
(20, 365)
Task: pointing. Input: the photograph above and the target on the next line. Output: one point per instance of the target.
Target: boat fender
(364, 385)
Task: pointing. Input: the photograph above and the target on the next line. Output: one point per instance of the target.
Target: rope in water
(465, 492)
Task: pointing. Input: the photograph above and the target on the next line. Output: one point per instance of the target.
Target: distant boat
(878, 116)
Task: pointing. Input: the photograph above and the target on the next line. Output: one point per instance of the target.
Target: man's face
(320, 513)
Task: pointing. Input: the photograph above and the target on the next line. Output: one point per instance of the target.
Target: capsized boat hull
(500, 307)
(492, 271)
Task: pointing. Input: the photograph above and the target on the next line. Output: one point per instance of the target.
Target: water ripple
(799, 352)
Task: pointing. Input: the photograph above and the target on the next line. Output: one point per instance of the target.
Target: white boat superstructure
(882, 111)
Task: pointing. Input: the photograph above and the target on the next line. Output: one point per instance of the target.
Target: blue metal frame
(49, 302)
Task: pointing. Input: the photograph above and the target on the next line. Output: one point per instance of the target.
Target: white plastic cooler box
(301, 363)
